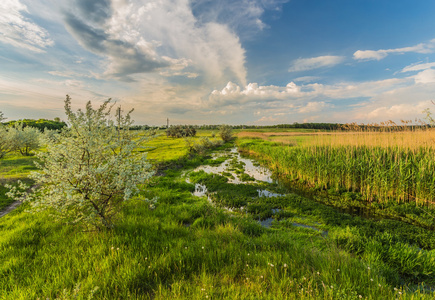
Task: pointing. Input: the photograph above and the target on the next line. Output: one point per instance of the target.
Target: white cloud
(314, 107)
(381, 54)
(19, 31)
(154, 37)
(403, 111)
(370, 54)
(426, 76)
(307, 78)
(418, 67)
(304, 64)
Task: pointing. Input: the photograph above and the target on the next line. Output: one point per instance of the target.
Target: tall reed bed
(383, 166)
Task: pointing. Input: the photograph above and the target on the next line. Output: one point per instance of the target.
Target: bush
(180, 131)
(202, 145)
(226, 133)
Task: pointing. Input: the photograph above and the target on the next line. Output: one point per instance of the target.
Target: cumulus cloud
(138, 37)
(305, 64)
(381, 54)
(20, 31)
(253, 91)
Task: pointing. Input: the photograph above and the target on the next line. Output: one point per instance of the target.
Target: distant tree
(179, 131)
(24, 140)
(89, 169)
(226, 133)
(6, 140)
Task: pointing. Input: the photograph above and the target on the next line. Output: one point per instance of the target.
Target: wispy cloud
(305, 64)
(381, 54)
(245, 17)
(20, 31)
(418, 67)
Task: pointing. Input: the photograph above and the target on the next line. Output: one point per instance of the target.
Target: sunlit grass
(189, 248)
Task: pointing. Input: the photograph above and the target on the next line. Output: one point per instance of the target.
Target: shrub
(226, 133)
(179, 131)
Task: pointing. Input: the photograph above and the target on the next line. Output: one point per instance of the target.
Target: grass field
(190, 247)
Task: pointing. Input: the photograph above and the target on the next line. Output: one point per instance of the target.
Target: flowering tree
(90, 168)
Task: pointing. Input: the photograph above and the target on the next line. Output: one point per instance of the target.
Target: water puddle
(267, 194)
(200, 190)
(249, 167)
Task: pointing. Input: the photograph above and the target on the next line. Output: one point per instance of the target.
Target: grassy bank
(187, 247)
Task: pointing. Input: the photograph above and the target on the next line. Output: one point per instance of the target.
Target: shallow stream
(233, 167)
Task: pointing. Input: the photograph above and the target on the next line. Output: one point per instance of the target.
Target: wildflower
(247, 265)
(318, 273)
(202, 247)
(332, 287)
(360, 296)
(117, 248)
(285, 265)
(272, 265)
(400, 293)
(368, 268)
(395, 289)
(113, 248)
(338, 270)
(261, 277)
(379, 285)
(371, 279)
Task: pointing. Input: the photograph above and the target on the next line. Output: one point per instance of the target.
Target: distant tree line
(40, 124)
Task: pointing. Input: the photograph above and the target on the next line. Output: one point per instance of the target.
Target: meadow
(233, 242)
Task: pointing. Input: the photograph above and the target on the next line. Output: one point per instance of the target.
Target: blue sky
(220, 61)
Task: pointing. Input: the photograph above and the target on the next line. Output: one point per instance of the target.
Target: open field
(214, 247)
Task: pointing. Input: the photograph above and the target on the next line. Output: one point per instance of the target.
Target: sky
(253, 62)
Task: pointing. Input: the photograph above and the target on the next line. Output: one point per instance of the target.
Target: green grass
(163, 149)
(189, 248)
(12, 168)
(184, 249)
